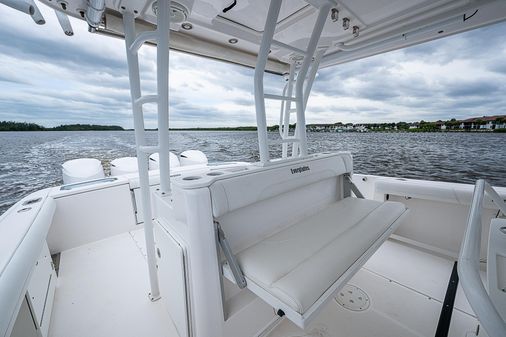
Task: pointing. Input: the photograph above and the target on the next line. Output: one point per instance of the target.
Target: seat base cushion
(298, 264)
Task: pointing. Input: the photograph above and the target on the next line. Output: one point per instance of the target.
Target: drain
(353, 298)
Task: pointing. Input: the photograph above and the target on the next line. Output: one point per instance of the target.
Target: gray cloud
(48, 78)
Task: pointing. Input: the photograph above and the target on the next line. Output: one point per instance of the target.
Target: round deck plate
(353, 298)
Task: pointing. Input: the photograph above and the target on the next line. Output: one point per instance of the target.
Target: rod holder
(20, 5)
(64, 21)
(37, 15)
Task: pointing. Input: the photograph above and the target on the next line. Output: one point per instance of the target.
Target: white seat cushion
(298, 264)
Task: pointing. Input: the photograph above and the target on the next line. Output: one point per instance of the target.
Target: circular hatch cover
(353, 298)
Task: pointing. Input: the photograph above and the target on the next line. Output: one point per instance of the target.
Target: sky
(51, 79)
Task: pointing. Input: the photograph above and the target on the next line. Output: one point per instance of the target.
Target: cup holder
(192, 178)
(215, 173)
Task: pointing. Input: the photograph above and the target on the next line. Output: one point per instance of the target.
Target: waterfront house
(484, 123)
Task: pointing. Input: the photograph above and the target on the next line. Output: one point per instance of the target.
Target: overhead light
(186, 26)
(233, 41)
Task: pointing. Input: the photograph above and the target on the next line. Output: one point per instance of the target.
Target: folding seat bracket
(349, 186)
(240, 280)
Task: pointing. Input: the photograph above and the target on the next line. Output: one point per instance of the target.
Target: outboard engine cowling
(82, 169)
(154, 161)
(192, 157)
(125, 165)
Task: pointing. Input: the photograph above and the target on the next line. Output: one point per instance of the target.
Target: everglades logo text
(300, 169)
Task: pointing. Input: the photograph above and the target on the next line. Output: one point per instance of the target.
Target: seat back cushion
(252, 207)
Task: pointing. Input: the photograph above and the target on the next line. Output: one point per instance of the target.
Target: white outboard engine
(124, 165)
(192, 157)
(82, 169)
(154, 161)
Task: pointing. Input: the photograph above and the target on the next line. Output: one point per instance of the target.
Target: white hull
(102, 284)
(250, 250)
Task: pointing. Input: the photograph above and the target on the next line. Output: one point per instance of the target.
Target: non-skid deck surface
(103, 288)
(103, 292)
(406, 288)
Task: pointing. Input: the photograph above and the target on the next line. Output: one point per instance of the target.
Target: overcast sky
(51, 79)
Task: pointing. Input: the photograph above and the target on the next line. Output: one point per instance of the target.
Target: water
(30, 161)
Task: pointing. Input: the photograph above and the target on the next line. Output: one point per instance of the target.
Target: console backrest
(253, 206)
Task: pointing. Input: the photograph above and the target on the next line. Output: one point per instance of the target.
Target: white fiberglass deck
(103, 288)
(103, 292)
(406, 288)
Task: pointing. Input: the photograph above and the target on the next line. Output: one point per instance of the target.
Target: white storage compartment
(496, 265)
(39, 295)
(25, 325)
(172, 276)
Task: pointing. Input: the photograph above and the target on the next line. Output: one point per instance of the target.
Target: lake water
(30, 161)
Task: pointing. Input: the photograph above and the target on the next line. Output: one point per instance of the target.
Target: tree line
(24, 126)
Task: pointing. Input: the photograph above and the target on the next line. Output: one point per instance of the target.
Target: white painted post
(142, 158)
(312, 75)
(263, 54)
(469, 263)
(288, 106)
(206, 291)
(162, 60)
(299, 85)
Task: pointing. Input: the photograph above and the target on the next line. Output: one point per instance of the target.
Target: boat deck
(406, 288)
(103, 286)
(103, 291)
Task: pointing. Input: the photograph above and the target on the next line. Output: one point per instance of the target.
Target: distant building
(484, 123)
(321, 128)
(440, 124)
(360, 128)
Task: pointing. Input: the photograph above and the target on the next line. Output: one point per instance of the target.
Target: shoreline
(249, 130)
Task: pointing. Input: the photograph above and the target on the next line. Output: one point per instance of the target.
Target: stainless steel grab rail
(469, 263)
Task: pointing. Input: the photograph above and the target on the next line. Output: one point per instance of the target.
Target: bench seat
(299, 268)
